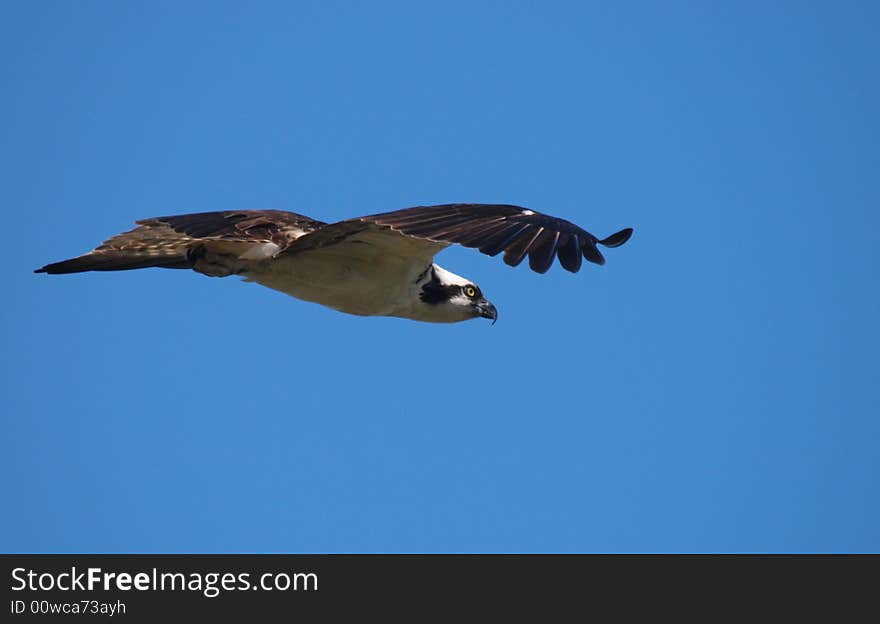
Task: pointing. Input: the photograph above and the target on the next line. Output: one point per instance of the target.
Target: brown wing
(176, 242)
(275, 226)
(491, 228)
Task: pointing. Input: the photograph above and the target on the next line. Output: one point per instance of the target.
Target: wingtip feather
(617, 239)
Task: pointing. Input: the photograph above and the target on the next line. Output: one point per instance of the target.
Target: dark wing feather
(519, 248)
(494, 242)
(493, 228)
(543, 251)
(569, 252)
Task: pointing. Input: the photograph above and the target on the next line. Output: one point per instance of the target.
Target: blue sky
(713, 388)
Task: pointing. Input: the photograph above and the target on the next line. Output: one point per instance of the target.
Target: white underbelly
(367, 284)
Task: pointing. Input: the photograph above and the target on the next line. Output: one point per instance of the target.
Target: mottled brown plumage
(176, 242)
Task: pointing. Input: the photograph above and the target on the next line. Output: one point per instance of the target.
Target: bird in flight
(376, 265)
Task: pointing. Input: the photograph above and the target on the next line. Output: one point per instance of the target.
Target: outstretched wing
(177, 242)
(491, 228)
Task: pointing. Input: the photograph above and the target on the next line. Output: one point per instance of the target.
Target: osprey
(377, 265)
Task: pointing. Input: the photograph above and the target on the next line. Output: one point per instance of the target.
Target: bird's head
(445, 297)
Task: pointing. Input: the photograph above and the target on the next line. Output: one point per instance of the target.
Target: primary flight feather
(376, 265)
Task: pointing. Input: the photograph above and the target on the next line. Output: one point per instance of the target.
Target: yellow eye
(470, 291)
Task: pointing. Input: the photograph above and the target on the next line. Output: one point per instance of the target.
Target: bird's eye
(470, 291)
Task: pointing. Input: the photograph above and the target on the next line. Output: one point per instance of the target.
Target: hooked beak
(487, 310)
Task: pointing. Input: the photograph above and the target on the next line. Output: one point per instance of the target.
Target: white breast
(359, 276)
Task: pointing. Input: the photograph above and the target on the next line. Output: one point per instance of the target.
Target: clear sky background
(714, 387)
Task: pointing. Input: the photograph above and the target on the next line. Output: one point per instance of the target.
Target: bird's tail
(113, 261)
(151, 244)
